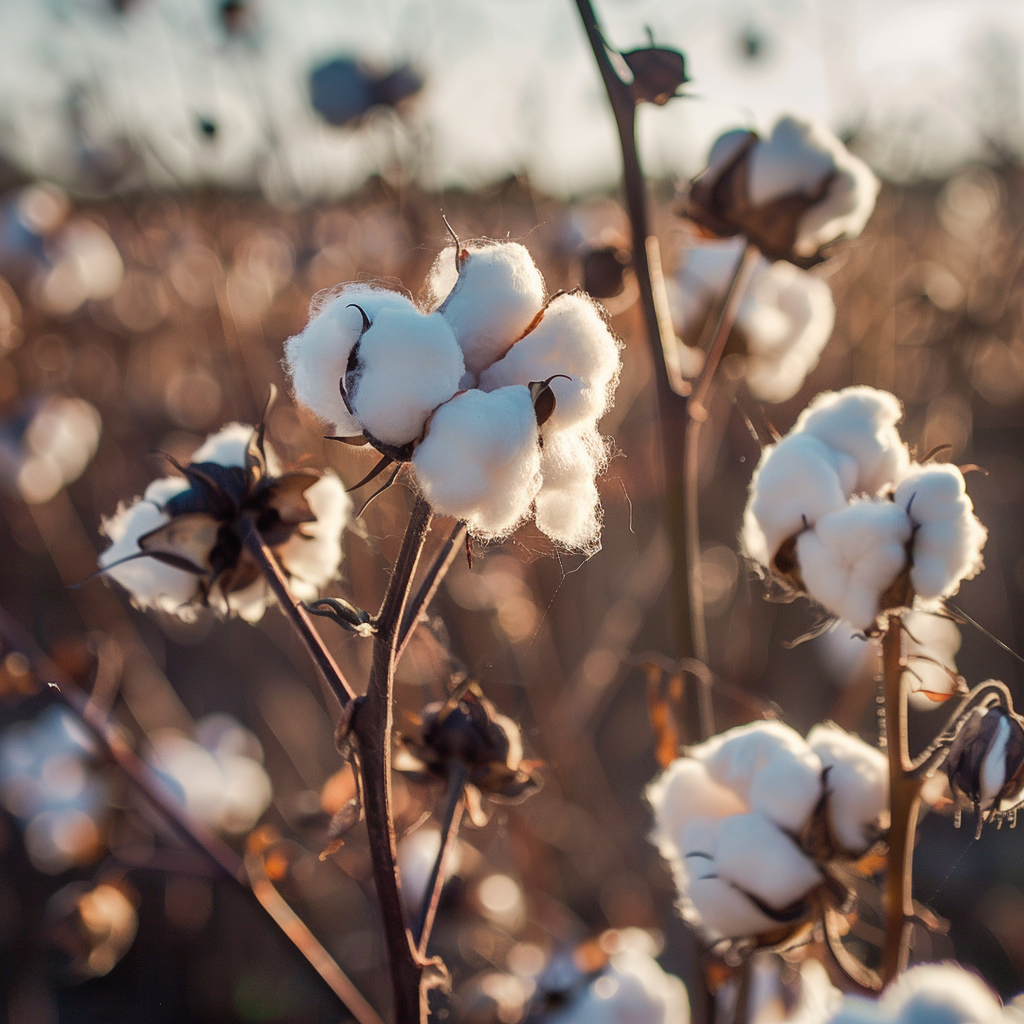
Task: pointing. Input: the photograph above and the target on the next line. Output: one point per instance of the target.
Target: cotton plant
(488, 388)
(791, 193)
(180, 546)
(783, 324)
(839, 511)
(754, 821)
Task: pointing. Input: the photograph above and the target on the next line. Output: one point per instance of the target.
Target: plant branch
(453, 809)
(372, 727)
(297, 615)
(904, 803)
(428, 587)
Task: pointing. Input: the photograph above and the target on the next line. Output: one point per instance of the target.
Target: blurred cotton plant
(790, 194)
(754, 822)
(784, 321)
(838, 511)
(490, 389)
(180, 546)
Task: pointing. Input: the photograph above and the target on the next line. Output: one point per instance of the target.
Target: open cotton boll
(852, 557)
(490, 301)
(948, 538)
(767, 765)
(312, 555)
(152, 584)
(317, 358)
(945, 993)
(407, 364)
(572, 338)
(228, 447)
(804, 158)
(568, 507)
(927, 639)
(631, 989)
(797, 481)
(857, 783)
(861, 422)
(788, 322)
(480, 459)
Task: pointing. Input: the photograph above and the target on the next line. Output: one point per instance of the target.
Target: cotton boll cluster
(180, 546)
(47, 783)
(735, 818)
(218, 776)
(791, 193)
(838, 511)
(925, 994)
(784, 321)
(492, 394)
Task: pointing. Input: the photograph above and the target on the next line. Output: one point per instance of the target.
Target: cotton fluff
(860, 421)
(802, 158)
(730, 813)
(852, 556)
(480, 459)
(407, 365)
(632, 988)
(310, 555)
(797, 481)
(568, 507)
(784, 320)
(930, 644)
(317, 359)
(947, 536)
(489, 297)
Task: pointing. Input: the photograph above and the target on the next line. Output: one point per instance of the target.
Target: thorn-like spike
(379, 468)
(391, 479)
(366, 319)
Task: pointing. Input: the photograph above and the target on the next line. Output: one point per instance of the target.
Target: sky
(93, 98)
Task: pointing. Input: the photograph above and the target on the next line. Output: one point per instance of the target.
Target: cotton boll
(572, 338)
(727, 147)
(857, 783)
(784, 347)
(407, 364)
(930, 638)
(934, 993)
(797, 481)
(151, 583)
(317, 359)
(313, 554)
(793, 160)
(948, 538)
(480, 459)
(767, 765)
(568, 508)
(861, 422)
(632, 988)
(852, 557)
(490, 303)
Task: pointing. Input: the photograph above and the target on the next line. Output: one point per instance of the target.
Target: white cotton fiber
(852, 556)
(311, 555)
(480, 459)
(857, 783)
(572, 338)
(725, 149)
(797, 481)
(940, 994)
(861, 422)
(929, 638)
(151, 583)
(948, 538)
(407, 364)
(802, 158)
(317, 359)
(228, 447)
(492, 301)
(568, 508)
(767, 765)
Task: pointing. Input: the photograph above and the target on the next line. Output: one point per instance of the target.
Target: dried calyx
(467, 734)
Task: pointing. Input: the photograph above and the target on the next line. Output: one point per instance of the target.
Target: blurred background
(178, 180)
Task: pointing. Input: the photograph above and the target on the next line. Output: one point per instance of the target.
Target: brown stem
(372, 727)
(904, 803)
(297, 614)
(428, 588)
(671, 406)
(453, 809)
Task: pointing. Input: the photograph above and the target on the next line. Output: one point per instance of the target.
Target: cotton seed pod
(985, 764)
